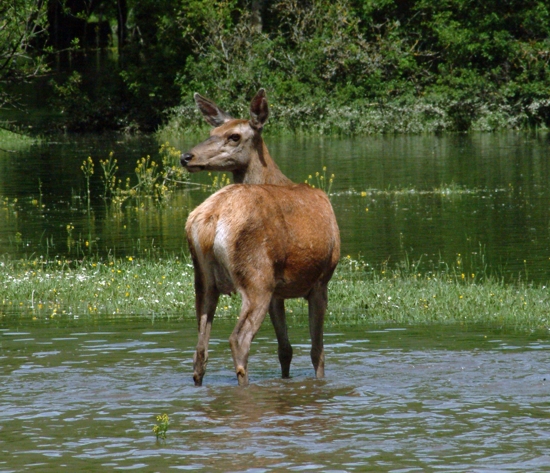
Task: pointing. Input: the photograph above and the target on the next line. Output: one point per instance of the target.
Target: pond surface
(84, 395)
(482, 199)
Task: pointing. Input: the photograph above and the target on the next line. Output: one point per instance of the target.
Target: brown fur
(268, 240)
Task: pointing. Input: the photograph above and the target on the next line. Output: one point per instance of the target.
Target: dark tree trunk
(122, 17)
(257, 22)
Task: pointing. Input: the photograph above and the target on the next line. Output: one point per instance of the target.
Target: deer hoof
(197, 379)
(242, 376)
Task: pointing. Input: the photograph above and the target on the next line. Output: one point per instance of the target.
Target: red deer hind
(264, 237)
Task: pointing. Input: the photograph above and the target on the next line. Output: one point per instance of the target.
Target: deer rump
(263, 238)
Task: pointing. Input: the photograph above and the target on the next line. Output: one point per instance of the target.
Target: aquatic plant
(109, 167)
(161, 428)
(444, 190)
(88, 170)
(148, 175)
(173, 172)
(218, 180)
(155, 181)
(321, 181)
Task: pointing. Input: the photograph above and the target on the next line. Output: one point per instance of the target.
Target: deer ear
(259, 111)
(211, 112)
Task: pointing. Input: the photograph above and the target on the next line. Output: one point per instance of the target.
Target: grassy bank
(11, 141)
(358, 294)
(419, 115)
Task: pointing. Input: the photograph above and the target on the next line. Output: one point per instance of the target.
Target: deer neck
(261, 169)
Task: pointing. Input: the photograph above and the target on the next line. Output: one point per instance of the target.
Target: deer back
(283, 239)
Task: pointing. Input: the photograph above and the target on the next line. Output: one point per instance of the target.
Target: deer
(263, 237)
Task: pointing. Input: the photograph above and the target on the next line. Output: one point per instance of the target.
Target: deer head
(235, 145)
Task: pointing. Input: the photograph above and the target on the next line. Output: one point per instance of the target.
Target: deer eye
(234, 137)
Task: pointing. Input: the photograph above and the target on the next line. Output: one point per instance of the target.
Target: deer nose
(185, 158)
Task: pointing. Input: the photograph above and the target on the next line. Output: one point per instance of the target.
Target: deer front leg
(253, 312)
(278, 318)
(317, 306)
(205, 307)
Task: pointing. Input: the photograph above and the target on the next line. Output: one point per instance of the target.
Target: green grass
(359, 294)
(12, 141)
(41, 288)
(405, 296)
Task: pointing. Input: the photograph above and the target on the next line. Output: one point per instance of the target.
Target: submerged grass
(359, 294)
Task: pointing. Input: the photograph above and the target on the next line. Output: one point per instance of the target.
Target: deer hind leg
(317, 306)
(278, 318)
(253, 311)
(206, 303)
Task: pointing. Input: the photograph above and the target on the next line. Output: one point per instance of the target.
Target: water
(480, 198)
(84, 395)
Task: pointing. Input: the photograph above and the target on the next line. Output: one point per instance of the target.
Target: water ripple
(392, 401)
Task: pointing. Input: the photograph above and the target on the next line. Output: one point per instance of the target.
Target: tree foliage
(22, 22)
(463, 60)
(455, 64)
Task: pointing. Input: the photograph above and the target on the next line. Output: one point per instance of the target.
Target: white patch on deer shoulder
(222, 263)
(220, 241)
(196, 241)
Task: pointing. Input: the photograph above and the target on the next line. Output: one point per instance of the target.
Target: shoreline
(36, 289)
